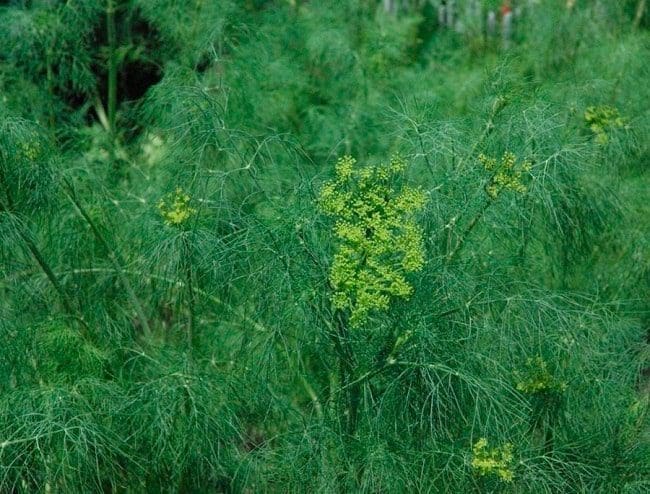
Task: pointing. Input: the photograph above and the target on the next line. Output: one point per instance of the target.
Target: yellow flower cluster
(30, 151)
(538, 379)
(175, 209)
(378, 239)
(600, 119)
(496, 461)
(507, 174)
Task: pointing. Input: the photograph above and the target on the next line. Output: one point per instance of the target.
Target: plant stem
(189, 277)
(498, 105)
(347, 365)
(115, 258)
(548, 440)
(640, 11)
(40, 259)
(112, 65)
(468, 230)
(50, 87)
(36, 253)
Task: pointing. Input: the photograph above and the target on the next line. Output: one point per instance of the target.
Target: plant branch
(36, 253)
(112, 66)
(472, 224)
(640, 12)
(113, 255)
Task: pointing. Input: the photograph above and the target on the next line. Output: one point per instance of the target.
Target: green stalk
(498, 105)
(189, 283)
(36, 253)
(40, 259)
(351, 386)
(640, 11)
(548, 440)
(112, 65)
(348, 394)
(468, 230)
(50, 87)
(113, 255)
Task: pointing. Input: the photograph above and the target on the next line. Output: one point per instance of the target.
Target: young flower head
(379, 241)
(495, 461)
(536, 378)
(175, 208)
(506, 174)
(602, 120)
(30, 151)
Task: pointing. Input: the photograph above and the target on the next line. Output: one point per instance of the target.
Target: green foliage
(191, 300)
(59, 353)
(26, 170)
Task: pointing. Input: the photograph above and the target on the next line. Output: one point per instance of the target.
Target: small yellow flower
(507, 174)
(496, 461)
(537, 378)
(378, 239)
(175, 209)
(601, 120)
(31, 151)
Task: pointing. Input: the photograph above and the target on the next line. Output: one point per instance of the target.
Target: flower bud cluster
(538, 379)
(175, 208)
(601, 120)
(379, 241)
(507, 174)
(494, 461)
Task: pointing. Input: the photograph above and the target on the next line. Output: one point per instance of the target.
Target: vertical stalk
(640, 11)
(348, 393)
(50, 86)
(548, 440)
(468, 230)
(113, 255)
(112, 65)
(498, 105)
(189, 281)
(40, 259)
(36, 253)
(351, 400)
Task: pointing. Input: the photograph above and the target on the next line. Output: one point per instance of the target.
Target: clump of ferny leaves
(175, 208)
(601, 119)
(379, 241)
(507, 173)
(496, 461)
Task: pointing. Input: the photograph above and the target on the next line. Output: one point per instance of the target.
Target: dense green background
(142, 356)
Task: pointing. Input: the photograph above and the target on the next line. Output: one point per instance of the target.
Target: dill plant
(258, 332)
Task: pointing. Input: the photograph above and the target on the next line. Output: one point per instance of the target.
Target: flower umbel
(496, 461)
(537, 378)
(378, 239)
(507, 174)
(30, 151)
(175, 208)
(601, 120)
